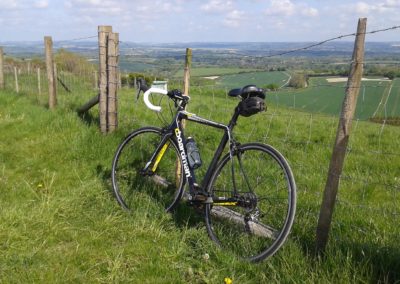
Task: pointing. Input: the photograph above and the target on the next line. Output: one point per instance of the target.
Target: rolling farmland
(213, 71)
(257, 78)
(377, 98)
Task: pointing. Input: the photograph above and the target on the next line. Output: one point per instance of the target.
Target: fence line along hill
(302, 119)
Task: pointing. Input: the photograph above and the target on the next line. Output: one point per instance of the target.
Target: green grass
(60, 223)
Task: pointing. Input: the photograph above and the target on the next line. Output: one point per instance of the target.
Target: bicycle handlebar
(147, 101)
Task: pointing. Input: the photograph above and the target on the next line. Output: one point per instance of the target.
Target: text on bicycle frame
(182, 152)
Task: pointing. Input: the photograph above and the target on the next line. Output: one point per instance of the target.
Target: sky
(197, 20)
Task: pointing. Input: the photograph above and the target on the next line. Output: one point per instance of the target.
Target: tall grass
(60, 223)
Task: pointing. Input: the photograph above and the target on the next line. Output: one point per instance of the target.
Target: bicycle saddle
(247, 91)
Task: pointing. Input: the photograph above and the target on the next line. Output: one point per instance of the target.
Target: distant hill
(336, 48)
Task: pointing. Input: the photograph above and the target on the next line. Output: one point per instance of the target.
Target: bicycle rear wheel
(261, 181)
(132, 186)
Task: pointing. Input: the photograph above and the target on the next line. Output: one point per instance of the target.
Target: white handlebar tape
(153, 91)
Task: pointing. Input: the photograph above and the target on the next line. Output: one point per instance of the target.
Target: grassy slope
(59, 222)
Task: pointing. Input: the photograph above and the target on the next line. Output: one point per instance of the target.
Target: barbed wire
(75, 39)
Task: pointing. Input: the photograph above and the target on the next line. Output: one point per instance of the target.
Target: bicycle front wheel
(255, 201)
(162, 183)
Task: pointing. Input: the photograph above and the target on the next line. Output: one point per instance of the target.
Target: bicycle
(248, 196)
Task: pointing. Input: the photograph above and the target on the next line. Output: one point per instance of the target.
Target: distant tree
(298, 81)
(391, 75)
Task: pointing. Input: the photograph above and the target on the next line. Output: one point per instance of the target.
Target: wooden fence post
(1, 68)
(38, 81)
(48, 42)
(55, 76)
(186, 76)
(16, 79)
(342, 138)
(186, 85)
(113, 82)
(103, 33)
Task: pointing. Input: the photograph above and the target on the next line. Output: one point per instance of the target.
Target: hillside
(60, 223)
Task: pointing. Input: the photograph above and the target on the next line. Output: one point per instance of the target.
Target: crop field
(257, 78)
(392, 107)
(212, 71)
(376, 98)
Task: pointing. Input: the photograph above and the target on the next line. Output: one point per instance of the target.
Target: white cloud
(369, 8)
(9, 4)
(281, 8)
(106, 7)
(217, 6)
(286, 8)
(234, 19)
(41, 4)
(392, 3)
(309, 12)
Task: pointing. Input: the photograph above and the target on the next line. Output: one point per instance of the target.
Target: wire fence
(301, 123)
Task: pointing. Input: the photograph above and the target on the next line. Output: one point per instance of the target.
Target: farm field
(257, 78)
(60, 223)
(212, 71)
(376, 98)
(393, 101)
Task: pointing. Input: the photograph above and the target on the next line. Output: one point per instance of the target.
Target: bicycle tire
(258, 227)
(131, 187)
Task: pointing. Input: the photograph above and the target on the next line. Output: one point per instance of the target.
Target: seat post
(234, 118)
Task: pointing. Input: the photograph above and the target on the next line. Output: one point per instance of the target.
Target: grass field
(60, 223)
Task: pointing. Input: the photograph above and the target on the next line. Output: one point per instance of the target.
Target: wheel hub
(248, 201)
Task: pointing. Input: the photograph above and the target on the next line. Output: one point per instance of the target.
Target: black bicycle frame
(175, 130)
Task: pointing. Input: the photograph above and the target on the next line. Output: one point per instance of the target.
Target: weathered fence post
(16, 79)
(48, 42)
(113, 81)
(1, 68)
(342, 138)
(38, 81)
(55, 76)
(186, 85)
(103, 33)
(186, 75)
